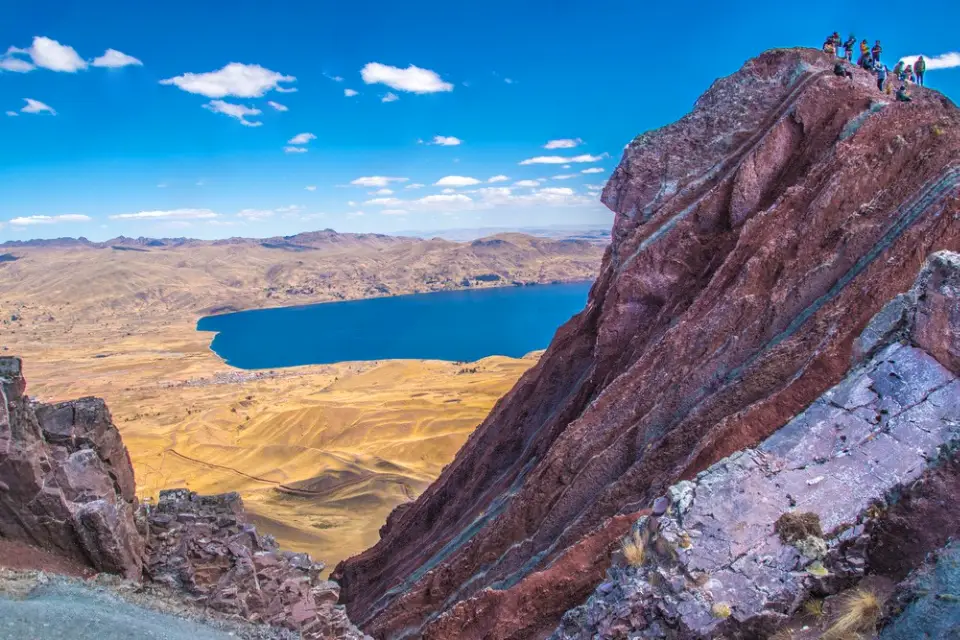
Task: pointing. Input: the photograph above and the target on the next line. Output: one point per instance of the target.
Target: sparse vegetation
(634, 550)
(858, 611)
(813, 607)
(793, 526)
(721, 610)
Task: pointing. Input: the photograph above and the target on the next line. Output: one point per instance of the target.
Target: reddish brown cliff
(753, 241)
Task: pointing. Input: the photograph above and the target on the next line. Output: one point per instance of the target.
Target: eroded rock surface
(66, 482)
(204, 546)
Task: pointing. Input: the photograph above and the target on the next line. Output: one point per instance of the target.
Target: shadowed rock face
(66, 482)
(754, 239)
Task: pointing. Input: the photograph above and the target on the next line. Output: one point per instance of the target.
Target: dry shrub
(859, 611)
(634, 550)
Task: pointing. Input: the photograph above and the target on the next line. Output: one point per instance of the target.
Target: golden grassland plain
(320, 454)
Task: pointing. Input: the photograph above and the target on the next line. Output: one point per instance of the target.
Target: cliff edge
(754, 240)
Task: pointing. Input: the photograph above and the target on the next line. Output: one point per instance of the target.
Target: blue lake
(450, 325)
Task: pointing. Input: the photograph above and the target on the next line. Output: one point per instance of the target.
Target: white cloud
(32, 220)
(500, 178)
(349, 93)
(448, 190)
(301, 138)
(355, 214)
(289, 149)
(390, 97)
(383, 192)
(444, 199)
(255, 214)
(351, 203)
(527, 183)
(563, 160)
(290, 208)
(12, 113)
(566, 166)
(556, 191)
(48, 54)
(376, 181)
(456, 181)
(171, 214)
(384, 202)
(311, 187)
(35, 106)
(563, 143)
(415, 185)
(565, 176)
(412, 79)
(446, 141)
(394, 212)
(237, 111)
(593, 170)
(235, 79)
(278, 106)
(943, 61)
(17, 65)
(114, 59)
(334, 78)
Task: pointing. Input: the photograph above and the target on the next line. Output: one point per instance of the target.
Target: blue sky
(138, 146)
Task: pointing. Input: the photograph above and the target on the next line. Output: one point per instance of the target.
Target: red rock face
(753, 241)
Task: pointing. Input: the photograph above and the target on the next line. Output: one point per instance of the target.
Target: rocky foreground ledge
(67, 487)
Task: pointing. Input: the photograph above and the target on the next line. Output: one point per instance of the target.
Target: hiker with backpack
(920, 68)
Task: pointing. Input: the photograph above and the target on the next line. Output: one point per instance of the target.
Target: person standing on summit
(848, 46)
(919, 67)
(876, 51)
(881, 75)
(864, 54)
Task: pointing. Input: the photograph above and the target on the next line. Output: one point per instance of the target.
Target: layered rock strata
(754, 240)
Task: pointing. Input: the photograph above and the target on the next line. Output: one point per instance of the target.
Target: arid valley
(320, 454)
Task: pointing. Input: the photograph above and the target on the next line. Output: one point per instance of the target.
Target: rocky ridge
(753, 242)
(67, 486)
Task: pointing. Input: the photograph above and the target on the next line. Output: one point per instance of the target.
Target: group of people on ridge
(869, 60)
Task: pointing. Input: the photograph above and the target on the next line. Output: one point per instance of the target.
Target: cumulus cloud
(593, 170)
(563, 143)
(48, 54)
(289, 149)
(278, 106)
(311, 187)
(383, 192)
(33, 220)
(237, 111)
(500, 178)
(446, 141)
(448, 190)
(565, 176)
(114, 59)
(301, 138)
(390, 97)
(35, 106)
(376, 181)
(444, 199)
(17, 65)
(349, 93)
(527, 183)
(562, 159)
(171, 214)
(235, 79)
(456, 181)
(943, 61)
(556, 191)
(412, 79)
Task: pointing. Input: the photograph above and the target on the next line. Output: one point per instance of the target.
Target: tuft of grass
(858, 611)
(721, 610)
(937, 130)
(793, 526)
(634, 550)
(813, 607)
